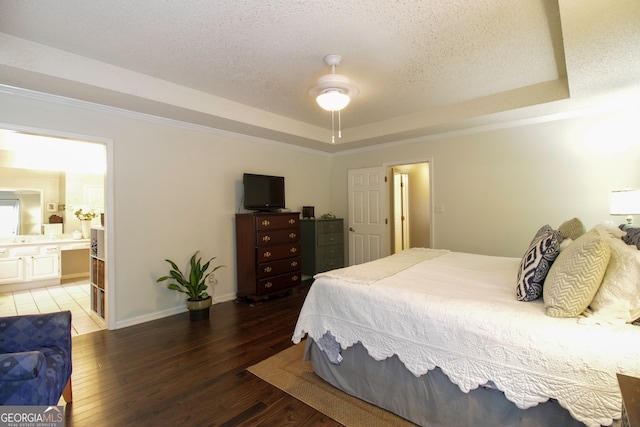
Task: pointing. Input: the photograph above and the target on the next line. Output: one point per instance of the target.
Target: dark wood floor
(176, 372)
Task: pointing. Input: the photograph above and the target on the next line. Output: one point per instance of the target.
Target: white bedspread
(459, 312)
(370, 272)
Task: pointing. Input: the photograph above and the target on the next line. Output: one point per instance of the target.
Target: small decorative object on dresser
(268, 253)
(194, 283)
(322, 245)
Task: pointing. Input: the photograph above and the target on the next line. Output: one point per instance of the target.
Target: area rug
(287, 371)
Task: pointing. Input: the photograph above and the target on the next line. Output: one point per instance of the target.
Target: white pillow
(618, 298)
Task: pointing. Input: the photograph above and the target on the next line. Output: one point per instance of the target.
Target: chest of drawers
(268, 253)
(322, 245)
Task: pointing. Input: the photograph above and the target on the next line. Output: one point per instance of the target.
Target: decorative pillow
(572, 229)
(542, 230)
(633, 235)
(535, 264)
(618, 299)
(576, 275)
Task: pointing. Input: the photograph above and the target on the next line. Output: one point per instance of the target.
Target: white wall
(175, 190)
(498, 187)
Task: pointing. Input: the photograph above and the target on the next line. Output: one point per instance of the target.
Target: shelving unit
(98, 277)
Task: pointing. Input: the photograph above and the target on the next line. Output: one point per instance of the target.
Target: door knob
(351, 229)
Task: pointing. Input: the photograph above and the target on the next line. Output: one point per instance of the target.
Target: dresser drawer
(276, 268)
(278, 283)
(329, 226)
(276, 237)
(17, 251)
(275, 222)
(273, 253)
(330, 239)
(326, 264)
(330, 251)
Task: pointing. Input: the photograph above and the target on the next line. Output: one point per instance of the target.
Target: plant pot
(199, 309)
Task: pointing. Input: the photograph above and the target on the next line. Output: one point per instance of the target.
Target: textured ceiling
(246, 66)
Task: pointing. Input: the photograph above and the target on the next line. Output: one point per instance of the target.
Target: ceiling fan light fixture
(333, 100)
(333, 92)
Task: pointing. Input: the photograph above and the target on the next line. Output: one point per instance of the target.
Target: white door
(368, 215)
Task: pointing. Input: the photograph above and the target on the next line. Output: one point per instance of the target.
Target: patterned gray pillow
(535, 264)
(633, 235)
(541, 231)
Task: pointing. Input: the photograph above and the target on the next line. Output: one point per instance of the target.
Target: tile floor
(72, 295)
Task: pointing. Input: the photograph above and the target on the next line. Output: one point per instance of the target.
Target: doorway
(410, 205)
(400, 210)
(376, 227)
(71, 172)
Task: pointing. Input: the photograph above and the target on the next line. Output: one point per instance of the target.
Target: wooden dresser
(268, 253)
(322, 245)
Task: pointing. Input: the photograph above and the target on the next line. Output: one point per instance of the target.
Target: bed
(448, 339)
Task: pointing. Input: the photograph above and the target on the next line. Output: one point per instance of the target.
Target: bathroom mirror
(20, 212)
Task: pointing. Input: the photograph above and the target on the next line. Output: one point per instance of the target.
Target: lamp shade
(625, 202)
(333, 100)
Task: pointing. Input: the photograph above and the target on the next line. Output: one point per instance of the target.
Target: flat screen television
(263, 192)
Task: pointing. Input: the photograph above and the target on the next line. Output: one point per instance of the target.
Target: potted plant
(194, 284)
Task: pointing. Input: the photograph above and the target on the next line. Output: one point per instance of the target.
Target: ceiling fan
(333, 92)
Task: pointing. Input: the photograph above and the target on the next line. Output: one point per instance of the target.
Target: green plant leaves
(194, 283)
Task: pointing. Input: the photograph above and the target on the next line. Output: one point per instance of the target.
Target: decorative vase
(86, 228)
(199, 309)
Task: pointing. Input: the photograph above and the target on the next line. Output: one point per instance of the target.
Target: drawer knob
(265, 223)
(293, 250)
(294, 264)
(267, 254)
(268, 285)
(292, 221)
(294, 278)
(266, 238)
(267, 269)
(292, 235)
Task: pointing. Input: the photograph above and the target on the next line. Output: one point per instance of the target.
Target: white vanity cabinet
(11, 268)
(45, 264)
(30, 263)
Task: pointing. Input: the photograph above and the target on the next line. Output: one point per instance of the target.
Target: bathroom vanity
(34, 263)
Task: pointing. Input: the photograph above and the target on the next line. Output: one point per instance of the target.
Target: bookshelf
(98, 271)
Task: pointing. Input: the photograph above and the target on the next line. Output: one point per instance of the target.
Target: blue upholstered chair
(35, 359)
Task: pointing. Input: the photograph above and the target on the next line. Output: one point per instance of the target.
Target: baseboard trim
(169, 312)
(149, 317)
